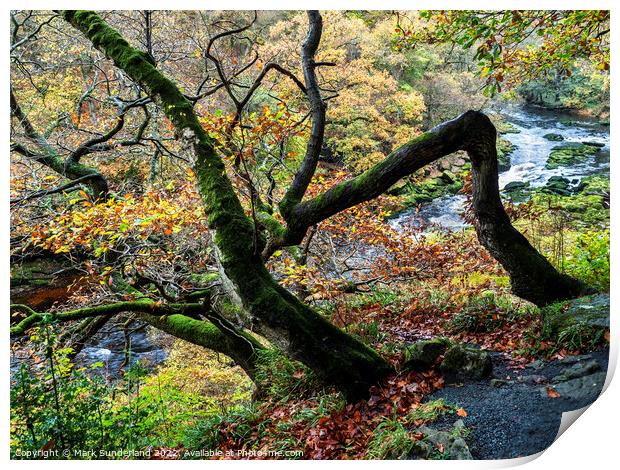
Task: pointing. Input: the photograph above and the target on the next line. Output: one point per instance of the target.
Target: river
(528, 161)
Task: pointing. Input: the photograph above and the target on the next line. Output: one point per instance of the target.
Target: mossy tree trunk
(335, 356)
(532, 276)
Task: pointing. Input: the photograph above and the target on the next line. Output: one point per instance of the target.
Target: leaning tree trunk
(532, 276)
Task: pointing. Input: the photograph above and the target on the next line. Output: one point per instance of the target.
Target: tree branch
(52, 159)
(142, 305)
(300, 183)
(48, 192)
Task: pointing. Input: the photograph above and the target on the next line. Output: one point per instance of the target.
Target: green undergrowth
(398, 439)
(280, 378)
(487, 313)
(558, 330)
(59, 405)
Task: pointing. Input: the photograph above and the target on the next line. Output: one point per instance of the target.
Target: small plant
(368, 332)
(578, 336)
(327, 403)
(280, 378)
(428, 412)
(390, 440)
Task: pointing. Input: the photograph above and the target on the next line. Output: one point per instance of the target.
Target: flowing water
(528, 161)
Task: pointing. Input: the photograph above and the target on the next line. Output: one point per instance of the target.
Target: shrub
(589, 259)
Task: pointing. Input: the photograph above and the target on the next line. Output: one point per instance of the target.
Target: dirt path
(511, 414)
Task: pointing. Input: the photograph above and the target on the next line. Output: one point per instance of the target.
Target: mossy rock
(592, 310)
(427, 191)
(423, 354)
(440, 445)
(466, 362)
(588, 201)
(517, 191)
(557, 185)
(569, 154)
(505, 127)
(553, 137)
(504, 149)
(595, 184)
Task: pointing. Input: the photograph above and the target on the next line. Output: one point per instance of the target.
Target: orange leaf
(552, 392)
(461, 412)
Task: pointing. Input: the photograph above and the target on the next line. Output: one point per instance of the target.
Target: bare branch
(302, 179)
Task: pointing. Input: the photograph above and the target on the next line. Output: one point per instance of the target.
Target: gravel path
(513, 416)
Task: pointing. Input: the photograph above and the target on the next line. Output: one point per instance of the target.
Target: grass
(390, 440)
(206, 434)
(377, 295)
(430, 411)
(281, 378)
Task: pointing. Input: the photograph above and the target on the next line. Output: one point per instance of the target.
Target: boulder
(577, 370)
(591, 310)
(465, 362)
(553, 137)
(441, 444)
(583, 388)
(424, 354)
(517, 191)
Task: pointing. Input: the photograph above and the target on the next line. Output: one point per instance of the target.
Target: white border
(589, 443)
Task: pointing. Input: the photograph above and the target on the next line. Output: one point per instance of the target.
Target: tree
(243, 238)
(512, 46)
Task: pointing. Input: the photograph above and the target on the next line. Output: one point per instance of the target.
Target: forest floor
(424, 413)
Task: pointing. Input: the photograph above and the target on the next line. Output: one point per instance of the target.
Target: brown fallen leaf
(461, 412)
(552, 392)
